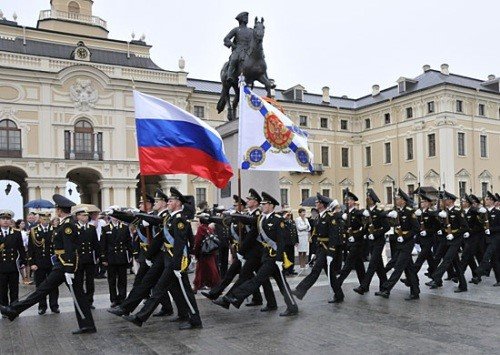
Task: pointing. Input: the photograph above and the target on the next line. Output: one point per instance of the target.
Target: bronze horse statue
(253, 68)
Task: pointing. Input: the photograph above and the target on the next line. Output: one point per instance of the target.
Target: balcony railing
(316, 170)
(71, 16)
(77, 155)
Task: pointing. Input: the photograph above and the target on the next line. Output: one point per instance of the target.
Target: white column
(71, 145)
(420, 150)
(105, 198)
(357, 167)
(96, 153)
(120, 196)
(447, 157)
(132, 197)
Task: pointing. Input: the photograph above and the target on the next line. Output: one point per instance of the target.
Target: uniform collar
(175, 212)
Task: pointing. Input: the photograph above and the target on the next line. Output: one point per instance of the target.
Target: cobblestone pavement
(441, 322)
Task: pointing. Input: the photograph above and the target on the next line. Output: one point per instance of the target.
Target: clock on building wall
(81, 52)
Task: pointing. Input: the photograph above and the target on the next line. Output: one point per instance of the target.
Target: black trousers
(403, 263)
(290, 254)
(223, 257)
(312, 248)
(53, 280)
(40, 276)
(87, 275)
(268, 269)
(321, 264)
(9, 287)
(491, 258)
(470, 249)
(353, 261)
(248, 271)
(144, 282)
(117, 281)
(451, 259)
(426, 244)
(394, 255)
(442, 248)
(179, 286)
(376, 264)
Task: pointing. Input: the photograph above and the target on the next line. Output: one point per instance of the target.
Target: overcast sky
(346, 45)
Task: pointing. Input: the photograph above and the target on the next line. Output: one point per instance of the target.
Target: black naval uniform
(429, 225)
(491, 257)
(11, 248)
(475, 221)
(116, 250)
(179, 229)
(65, 261)
(354, 233)
(328, 235)
(222, 233)
(457, 227)
(406, 227)
(376, 230)
(88, 252)
(40, 251)
(271, 234)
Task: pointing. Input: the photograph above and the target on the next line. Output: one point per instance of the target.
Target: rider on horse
(239, 41)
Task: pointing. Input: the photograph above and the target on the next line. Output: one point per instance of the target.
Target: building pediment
(346, 183)
(431, 174)
(463, 173)
(388, 180)
(409, 177)
(285, 182)
(485, 175)
(326, 182)
(305, 181)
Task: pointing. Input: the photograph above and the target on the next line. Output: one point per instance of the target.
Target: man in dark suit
(11, 248)
(65, 266)
(40, 250)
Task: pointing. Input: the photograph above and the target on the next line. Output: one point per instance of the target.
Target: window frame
(461, 144)
(305, 119)
(481, 136)
(431, 107)
(342, 150)
(327, 155)
(429, 145)
(408, 151)
(387, 161)
(409, 112)
(368, 162)
(12, 132)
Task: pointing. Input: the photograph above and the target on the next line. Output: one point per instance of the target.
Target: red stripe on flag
(183, 160)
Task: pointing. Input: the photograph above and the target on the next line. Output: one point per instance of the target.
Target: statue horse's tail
(224, 95)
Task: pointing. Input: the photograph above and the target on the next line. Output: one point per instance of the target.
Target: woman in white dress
(303, 229)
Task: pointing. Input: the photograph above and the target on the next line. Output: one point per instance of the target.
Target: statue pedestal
(267, 181)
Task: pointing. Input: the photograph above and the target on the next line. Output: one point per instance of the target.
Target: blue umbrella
(39, 204)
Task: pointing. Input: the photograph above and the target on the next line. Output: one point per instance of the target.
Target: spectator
(32, 220)
(207, 272)
(25, 272)
(303, 229)
(291, 240)
(55, 222)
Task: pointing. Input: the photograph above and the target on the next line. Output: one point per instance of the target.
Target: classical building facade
(66, 114)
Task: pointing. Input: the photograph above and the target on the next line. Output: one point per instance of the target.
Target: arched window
(73, 7)
(84, 140)
(10, 139)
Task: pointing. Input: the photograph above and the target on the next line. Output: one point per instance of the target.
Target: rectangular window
(284, 197)
(484, 146)
(226, 191)
(461, 144)
(409, 149)
(368, 123)
(480, 110)
(199, 111)
(409, 112)
(368, 156)
(303, 121)
(462, 188)
(411, 190)
(343, 125)
(484, 188)
(304, 193)
(325, 156)
(388, 195)
(201, 195)
(387, 118)
(459, 106)
(67, 144)
(431, 144)
(323, 122)
(430, 107)
(387, 155)
(325, 192)
(345, 157)
(99, 145)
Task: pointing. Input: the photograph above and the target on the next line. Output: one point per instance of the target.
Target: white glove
(442, 214)
(392, 214)
(450, 237)
(178, 274)
(329, 259)
(241, 259)
(400, 239)
(487, 231)
(69, 278)
(313, 256)
(418, 212)
(149, 263)
(280, 265)
(344, 216)
(440, 232)
(423, 233)
(466, 235)
(145, 224)
(351, 239)
(366, 213)
(482, 210)
(371, 237)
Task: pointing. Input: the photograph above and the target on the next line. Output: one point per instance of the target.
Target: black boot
(290, 311)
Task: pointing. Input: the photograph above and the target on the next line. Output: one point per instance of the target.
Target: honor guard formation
(158, 236)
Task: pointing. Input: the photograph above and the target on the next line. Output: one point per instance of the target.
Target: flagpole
(143, 194)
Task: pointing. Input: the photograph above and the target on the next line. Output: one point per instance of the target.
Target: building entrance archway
(87, 185)
(14, 189)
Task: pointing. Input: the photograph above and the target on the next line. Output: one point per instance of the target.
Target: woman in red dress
(207, 272)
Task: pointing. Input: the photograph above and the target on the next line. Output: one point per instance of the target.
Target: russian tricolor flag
(173, 141)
